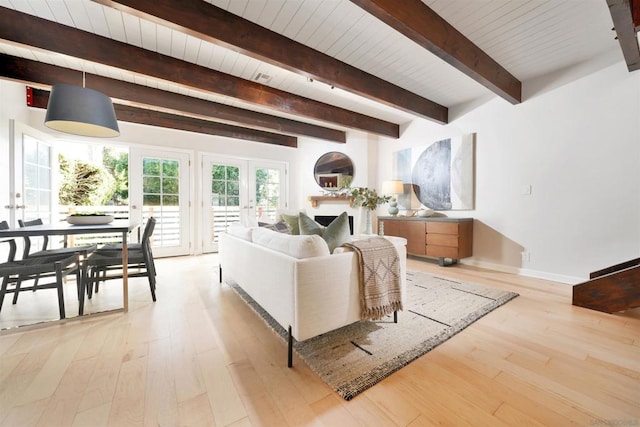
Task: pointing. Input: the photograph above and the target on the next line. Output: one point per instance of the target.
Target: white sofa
(307, 290)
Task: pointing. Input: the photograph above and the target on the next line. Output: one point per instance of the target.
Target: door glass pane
(151, 167)
(30, 175)
(267, 193)
(170, 186)
(44, 177)
(161, 199)
(170, 168)
(30, 150)
(151, 200)
(225, 203)
(36, 179)
(43, 155)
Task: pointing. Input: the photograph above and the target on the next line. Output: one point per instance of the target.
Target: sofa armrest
(327, 295)
(267, 275)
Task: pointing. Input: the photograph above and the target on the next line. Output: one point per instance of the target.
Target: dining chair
(15, 272)
(4, 225)
(109, 258)
(45, 251)
(83, 251)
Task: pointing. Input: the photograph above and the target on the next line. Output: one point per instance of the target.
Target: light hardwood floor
(200, 357)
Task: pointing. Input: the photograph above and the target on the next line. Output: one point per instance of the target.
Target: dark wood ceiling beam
(623, 23)
(39, 73)
(203, 20)
(126, 113)
(421, 24)
(40, 33)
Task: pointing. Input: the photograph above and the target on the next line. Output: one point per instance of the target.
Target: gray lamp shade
(81, 111)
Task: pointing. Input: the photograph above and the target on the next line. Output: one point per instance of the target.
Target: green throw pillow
(292, 223)
(335, 234)
(309, 226)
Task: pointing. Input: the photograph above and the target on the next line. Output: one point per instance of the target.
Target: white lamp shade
(81, 111)
(392, 187)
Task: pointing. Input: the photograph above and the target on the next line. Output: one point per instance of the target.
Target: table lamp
(393, 188)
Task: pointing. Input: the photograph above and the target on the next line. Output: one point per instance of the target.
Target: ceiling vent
(262, 78)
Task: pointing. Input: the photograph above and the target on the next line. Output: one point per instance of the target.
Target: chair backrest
(4, 225)
(27, 240)
(148, 231)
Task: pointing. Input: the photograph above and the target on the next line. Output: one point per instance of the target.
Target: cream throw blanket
(379, 277)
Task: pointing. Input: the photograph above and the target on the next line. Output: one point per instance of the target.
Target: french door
(159, 186)
(33, 183)
(239, 191)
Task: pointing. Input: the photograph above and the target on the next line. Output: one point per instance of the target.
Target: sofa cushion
(297, 246)
(240, 231)
(335, 234)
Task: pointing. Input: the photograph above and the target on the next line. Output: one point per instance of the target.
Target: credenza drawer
(442, 251)
(442, 227)
(442, 240)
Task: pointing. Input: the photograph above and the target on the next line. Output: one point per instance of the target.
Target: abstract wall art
(439, 176)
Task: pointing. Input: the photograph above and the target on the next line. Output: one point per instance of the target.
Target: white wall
(578, 146)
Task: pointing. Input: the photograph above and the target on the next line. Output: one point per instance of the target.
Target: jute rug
(353, 358)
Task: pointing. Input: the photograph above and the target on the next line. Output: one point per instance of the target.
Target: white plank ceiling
(530, 38)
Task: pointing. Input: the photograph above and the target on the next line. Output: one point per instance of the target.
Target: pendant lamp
(81, 111)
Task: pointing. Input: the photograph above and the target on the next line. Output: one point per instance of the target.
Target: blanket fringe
(377, 313)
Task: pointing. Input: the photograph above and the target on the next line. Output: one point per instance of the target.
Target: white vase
(366, 221)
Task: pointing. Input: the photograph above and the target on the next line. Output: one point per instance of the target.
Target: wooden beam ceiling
(623, 23)
(205, 21)
(40, 33)
(421, 24)
(39, 73)
(126, 113)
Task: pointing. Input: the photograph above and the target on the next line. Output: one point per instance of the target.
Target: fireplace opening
(326, 220)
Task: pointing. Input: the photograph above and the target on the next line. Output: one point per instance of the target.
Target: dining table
(122, 227)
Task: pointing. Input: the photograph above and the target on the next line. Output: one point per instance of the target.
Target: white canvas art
(439, 176)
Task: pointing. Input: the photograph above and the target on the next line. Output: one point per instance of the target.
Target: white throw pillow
(296, 246)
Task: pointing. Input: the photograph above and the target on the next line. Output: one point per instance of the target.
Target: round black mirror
(333, 171)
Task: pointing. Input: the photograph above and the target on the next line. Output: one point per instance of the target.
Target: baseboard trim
(567, 280)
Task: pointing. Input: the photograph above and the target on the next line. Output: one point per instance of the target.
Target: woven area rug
(353, 358)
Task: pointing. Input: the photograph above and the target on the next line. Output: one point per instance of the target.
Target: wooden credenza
(440, 237)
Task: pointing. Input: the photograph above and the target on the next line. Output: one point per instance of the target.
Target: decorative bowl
(423, 213)
(89, 219)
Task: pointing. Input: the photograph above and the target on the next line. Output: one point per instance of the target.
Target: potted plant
(368, 199)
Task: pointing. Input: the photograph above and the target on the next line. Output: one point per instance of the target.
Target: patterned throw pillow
(335, 234)
(280, 227)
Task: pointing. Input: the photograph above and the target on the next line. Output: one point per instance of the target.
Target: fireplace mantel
(341, 199)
